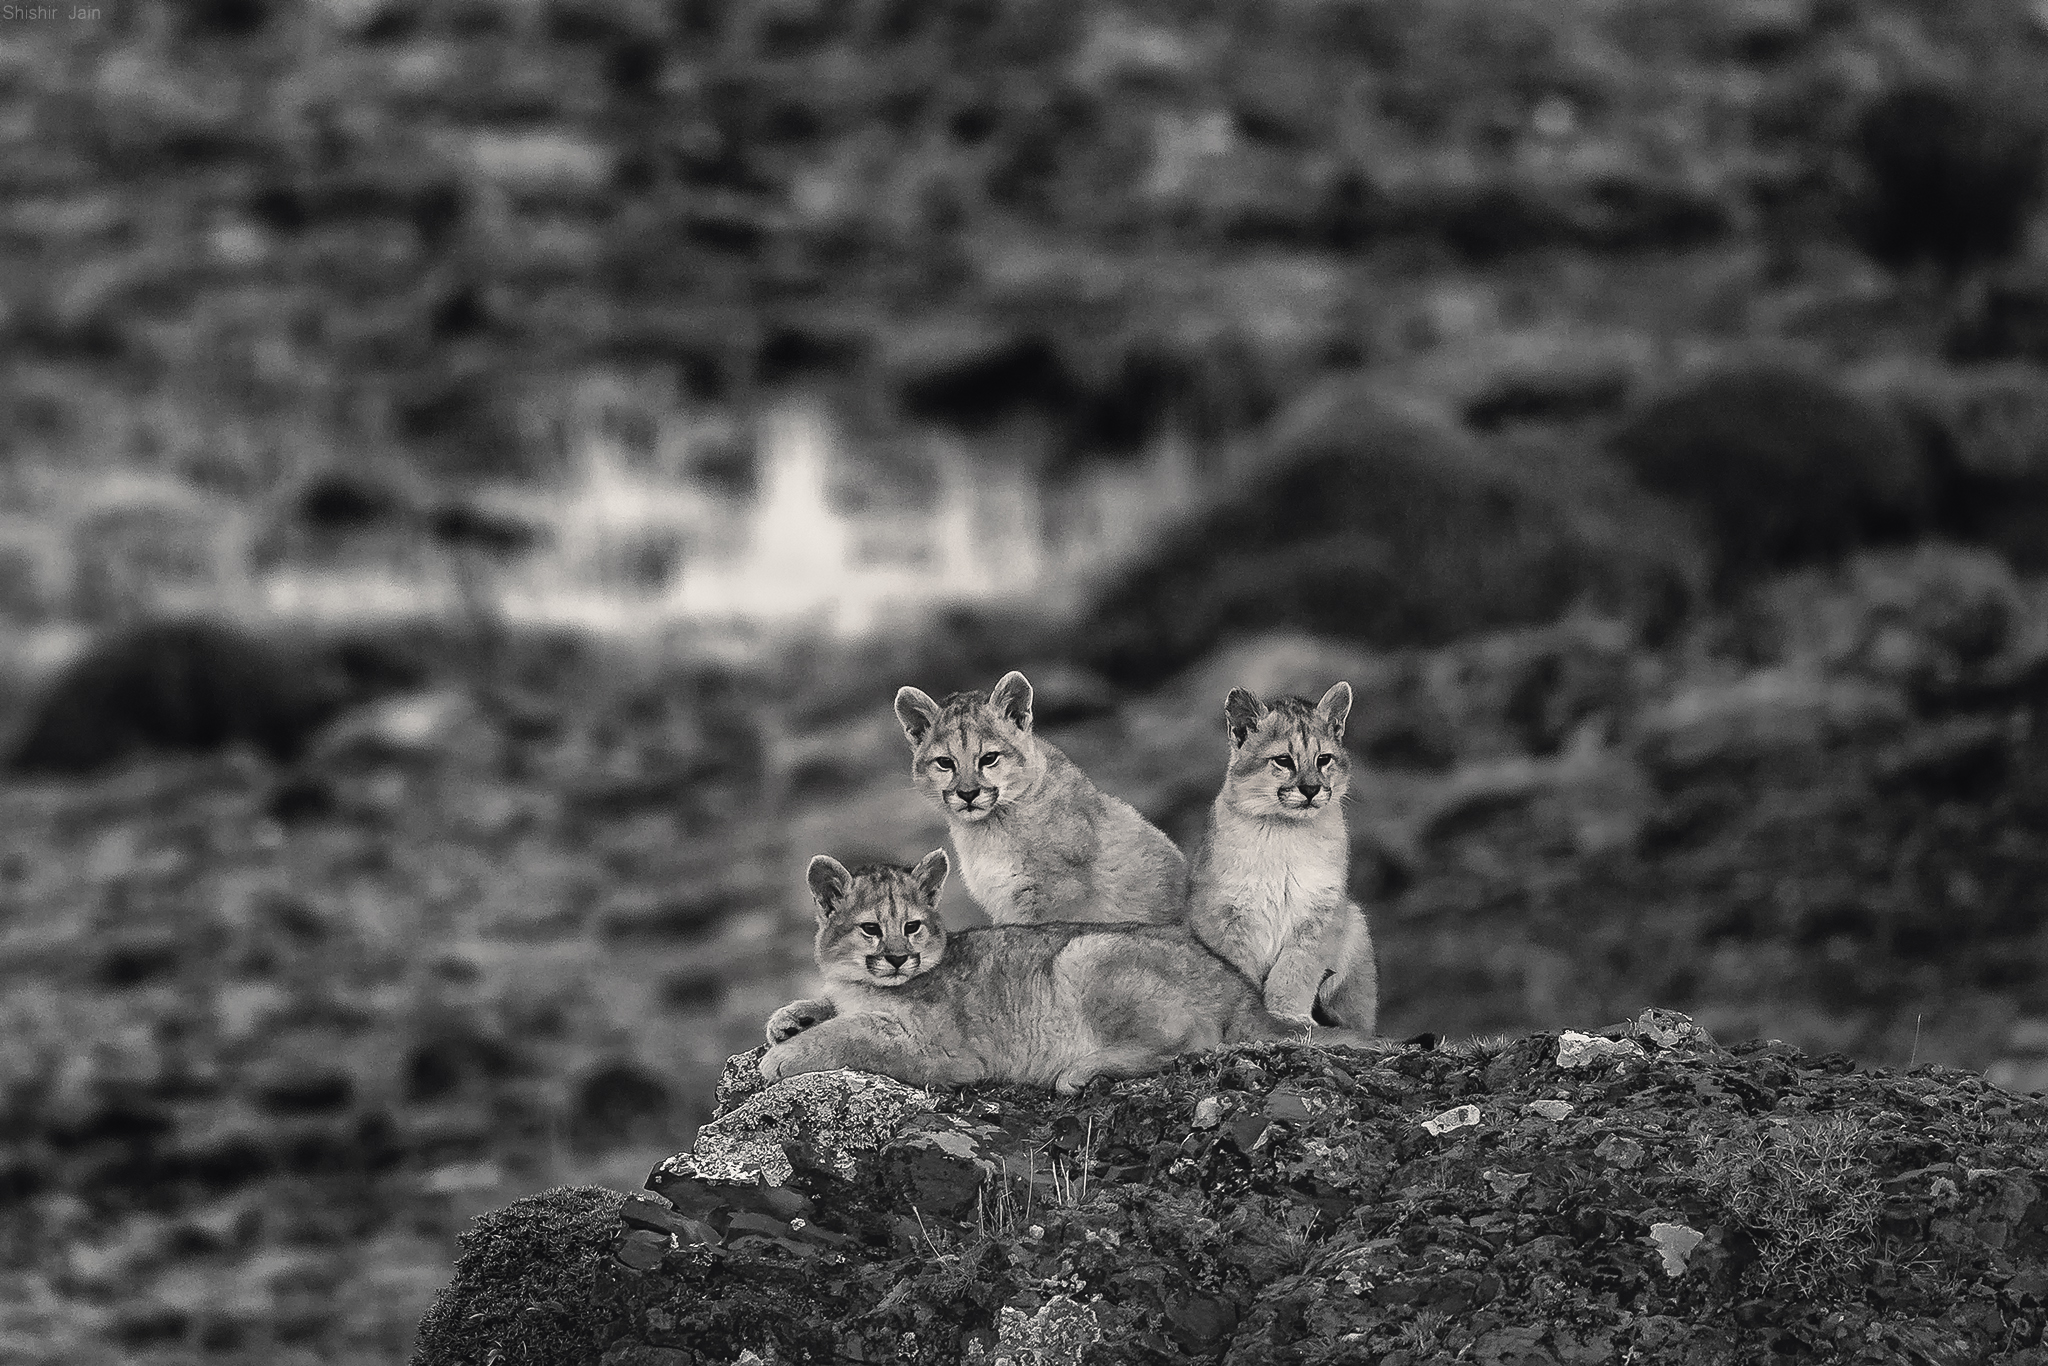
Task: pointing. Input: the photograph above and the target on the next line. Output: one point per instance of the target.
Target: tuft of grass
(1479, 1048)
(1423, 1334)
(1805, 1193)
(1070, 1180)
(998, 1212)
(1005, 1204)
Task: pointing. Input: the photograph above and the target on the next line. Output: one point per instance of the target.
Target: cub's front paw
(1301, 1025)
(1072, 1081)
(772, 1064)
(794, 1018)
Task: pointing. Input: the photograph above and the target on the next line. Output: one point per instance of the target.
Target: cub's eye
(943, 764)
(869, 927)
(912, 926)
(1325, 760)
(1283, 763)
(991, 759)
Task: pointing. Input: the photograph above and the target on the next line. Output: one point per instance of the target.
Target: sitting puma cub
(1045, 1005)
(1037, 840)
(1269, 880)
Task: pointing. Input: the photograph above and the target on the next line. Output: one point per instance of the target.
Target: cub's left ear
(830, 882)
(930, 874)
(1335, 706)
(1012, 698)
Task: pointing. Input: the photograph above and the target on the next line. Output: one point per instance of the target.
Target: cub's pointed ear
(1335, 706)
(1242, 711)
(830, 883)
(930, 875)
(917, 712)
(1012, 698)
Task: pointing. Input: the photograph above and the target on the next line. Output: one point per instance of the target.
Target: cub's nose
(896, 960)
(1309, 790)
(967, 794)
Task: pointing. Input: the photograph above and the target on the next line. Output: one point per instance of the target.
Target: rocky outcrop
(1641, 1193)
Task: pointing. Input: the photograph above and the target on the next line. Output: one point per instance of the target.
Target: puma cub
(1037, 840)
(1045, 1005)
(1268, 890)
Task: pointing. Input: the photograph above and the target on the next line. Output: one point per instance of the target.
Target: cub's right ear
(930, 874)
(830, 883)
(1241, 710)
(917, 712)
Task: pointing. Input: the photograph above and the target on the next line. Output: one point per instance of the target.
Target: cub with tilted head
(1037, 840)
(1268, 892)
(1043, 1005)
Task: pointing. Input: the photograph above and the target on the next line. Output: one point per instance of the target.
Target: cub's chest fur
(1271, 875)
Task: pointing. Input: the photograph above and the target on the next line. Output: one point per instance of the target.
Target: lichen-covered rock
(1585, 1050)
(1057, 1334)
(1672, 1200)
(836, 1114)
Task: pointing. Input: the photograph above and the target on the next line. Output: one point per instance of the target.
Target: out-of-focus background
(474, 472)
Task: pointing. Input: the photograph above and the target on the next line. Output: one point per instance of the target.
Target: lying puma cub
(1047, 1005)
(1269, 881)
(1037, 840)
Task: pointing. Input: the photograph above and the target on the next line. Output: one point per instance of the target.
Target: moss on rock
(1526, 1201)
(528, 1286)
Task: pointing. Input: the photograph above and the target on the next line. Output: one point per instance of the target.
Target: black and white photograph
(1023, 682)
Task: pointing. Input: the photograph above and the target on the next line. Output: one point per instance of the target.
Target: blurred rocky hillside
(1642, 405)
(250, 240)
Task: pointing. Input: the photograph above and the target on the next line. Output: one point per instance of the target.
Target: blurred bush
(1781, 466)
(1950, 176)
(2006, 319)
(1925, 617)
(1986, 434)
(198, 685)
(1370, 523)
(1095, 397)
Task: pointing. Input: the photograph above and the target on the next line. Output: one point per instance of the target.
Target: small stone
(1674, 1243)
(642, 1249)
(649, 1210)
(1208, 1112)
(1622, 1152)
(1459, 1117)
(1504, 1183)
(645, 1209)
(1552, 1110)
(1292, 1106)
(1583, 1050)
(1669, 1029)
